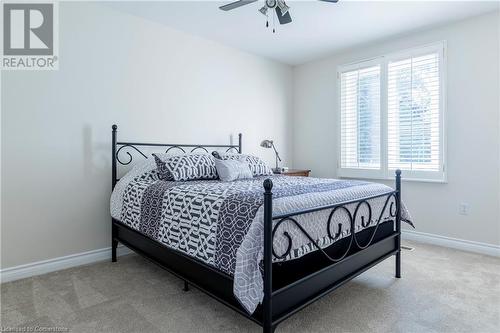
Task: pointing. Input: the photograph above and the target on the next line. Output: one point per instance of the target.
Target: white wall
(157, 84)
(472, 126)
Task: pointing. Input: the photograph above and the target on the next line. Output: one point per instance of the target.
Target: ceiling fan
(281, 8)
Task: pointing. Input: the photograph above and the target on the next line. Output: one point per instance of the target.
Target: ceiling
(318, 28)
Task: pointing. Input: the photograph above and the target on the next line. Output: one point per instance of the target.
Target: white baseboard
(51, 265)
(455, 243)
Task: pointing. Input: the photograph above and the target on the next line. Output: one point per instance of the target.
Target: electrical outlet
(463, 208)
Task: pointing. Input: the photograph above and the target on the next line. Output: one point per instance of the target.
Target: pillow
(229, 170)
(256, 165)
(161, 168)
(185, 167)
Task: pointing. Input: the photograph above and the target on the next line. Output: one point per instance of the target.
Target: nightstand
(296, 172)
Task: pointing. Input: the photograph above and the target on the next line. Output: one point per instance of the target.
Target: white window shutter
(360, 118)
(413, 140)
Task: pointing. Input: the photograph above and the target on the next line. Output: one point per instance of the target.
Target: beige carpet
(442, 290)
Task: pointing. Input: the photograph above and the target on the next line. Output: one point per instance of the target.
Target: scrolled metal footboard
(354, 212)
(362, 211)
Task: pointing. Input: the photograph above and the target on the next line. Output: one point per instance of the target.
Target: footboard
(358, 256)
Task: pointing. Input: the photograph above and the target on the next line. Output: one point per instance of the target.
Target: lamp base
(279, 170)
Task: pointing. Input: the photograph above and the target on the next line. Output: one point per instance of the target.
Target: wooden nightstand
(296, 172)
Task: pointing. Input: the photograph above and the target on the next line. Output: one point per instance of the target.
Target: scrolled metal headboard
(124, 148)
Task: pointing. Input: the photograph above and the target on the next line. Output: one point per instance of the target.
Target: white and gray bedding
(221, 223)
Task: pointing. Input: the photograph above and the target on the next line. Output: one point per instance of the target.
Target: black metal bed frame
(324, 270)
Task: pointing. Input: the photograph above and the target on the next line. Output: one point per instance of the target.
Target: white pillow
(229, 170)
(256, 165)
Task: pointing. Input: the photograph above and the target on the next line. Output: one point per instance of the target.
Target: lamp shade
(267, 143)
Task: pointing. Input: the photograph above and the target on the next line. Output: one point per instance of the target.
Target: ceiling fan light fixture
(263, 10)
(284, 7)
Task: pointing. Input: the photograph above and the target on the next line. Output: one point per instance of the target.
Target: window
(392, 116)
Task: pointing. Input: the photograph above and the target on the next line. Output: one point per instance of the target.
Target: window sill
(416, 180)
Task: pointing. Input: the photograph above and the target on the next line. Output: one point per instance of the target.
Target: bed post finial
(268, 185)
(268, 257)
(398, 223)
(114, 127)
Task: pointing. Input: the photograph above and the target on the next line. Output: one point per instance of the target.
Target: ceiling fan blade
(333, 1)
(236, 4)
(284, 19)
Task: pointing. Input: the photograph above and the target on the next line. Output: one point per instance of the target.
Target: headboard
(124, 148)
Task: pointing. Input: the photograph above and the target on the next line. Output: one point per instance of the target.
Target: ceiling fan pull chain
(274, 24)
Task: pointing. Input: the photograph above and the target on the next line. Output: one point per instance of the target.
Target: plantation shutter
(413, 138)
(360, 118)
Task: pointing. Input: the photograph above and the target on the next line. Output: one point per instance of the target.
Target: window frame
(383, 61)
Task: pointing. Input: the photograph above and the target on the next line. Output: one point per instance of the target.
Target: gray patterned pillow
(161, 168)
(185, 167)
(256, 165)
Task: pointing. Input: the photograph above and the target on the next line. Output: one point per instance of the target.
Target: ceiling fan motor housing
(271, 3)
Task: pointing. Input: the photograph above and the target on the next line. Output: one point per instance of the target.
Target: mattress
(221, 223)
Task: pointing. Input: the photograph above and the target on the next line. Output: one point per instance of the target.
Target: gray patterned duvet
(220, 223)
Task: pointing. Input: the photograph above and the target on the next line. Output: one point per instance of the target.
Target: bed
(267, 246)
